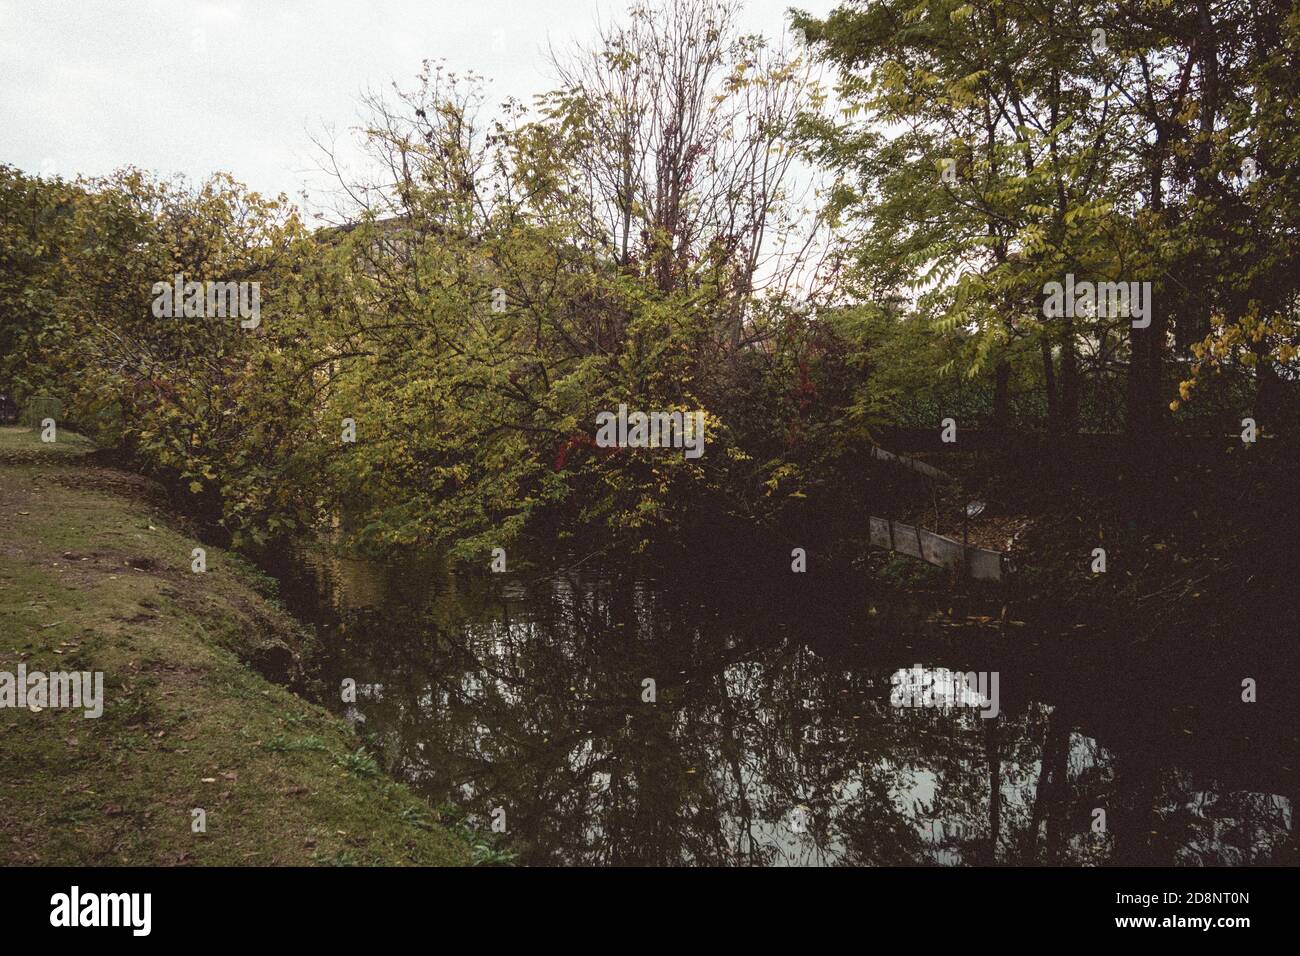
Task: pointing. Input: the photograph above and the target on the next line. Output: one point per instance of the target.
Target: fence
(980, 563)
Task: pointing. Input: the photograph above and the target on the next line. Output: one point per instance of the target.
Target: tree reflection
(771, 741)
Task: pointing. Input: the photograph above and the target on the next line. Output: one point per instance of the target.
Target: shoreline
(95, 578)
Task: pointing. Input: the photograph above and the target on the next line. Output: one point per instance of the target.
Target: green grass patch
(93, 577)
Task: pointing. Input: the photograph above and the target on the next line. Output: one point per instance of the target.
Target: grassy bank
(94, 576)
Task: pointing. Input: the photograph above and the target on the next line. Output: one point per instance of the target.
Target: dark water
(772, 739)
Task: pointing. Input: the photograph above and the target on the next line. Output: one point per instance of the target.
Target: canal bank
(198, 758)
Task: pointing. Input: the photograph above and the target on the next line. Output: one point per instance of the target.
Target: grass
(95, 576)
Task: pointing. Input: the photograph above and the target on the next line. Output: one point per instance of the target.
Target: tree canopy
(429, 369)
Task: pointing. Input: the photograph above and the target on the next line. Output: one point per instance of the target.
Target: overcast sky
(195, 86)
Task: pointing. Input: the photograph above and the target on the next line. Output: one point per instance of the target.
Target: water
(771, 739)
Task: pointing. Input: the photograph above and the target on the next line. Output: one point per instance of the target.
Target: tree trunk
(1049, 383)
(1002, 399)
(1069, 403)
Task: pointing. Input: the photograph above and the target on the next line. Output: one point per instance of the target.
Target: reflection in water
(920, 686)
(771, 738)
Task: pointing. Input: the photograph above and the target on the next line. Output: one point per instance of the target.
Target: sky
(197, 86)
